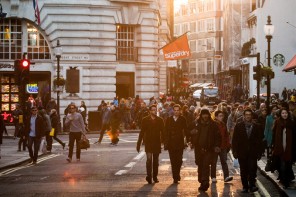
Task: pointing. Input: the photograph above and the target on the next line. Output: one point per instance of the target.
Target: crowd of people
(178, 123)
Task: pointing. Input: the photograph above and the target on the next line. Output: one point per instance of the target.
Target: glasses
(34, 110)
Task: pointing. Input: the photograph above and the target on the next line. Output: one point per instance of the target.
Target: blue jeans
(223, 160)
(36, 141)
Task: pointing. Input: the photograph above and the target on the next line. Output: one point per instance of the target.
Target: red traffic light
(25, 63)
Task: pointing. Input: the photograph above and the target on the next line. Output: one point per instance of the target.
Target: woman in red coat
(283, 146)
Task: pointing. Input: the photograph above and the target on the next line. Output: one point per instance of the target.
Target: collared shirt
(32, 126)
(175, 118)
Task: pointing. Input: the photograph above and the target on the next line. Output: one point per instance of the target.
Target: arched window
(19, 36)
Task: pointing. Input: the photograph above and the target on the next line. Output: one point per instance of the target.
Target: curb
(264, 173)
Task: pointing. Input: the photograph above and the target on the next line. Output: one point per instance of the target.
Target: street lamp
(268, 30)
(58, 50)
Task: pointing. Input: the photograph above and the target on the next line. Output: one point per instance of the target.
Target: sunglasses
(72, 107)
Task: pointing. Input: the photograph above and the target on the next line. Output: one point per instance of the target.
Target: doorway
(125, 84)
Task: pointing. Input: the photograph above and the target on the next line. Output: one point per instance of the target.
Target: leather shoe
(176, 181)
(148, 179)
(203, 189)
(253, 189)
(245, 190)
(156, 180)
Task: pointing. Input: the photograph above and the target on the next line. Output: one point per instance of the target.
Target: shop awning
(291, 65)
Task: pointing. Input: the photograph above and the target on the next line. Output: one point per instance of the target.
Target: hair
(218, 112)
(150, 107)
(248, 110)
(284, 109)
(177, 105)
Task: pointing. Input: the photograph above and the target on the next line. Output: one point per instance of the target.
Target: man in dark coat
(152, 132)
(34, 130)
(246, 145)
(206, 143)
(175, 132)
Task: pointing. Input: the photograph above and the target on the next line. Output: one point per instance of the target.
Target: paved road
(106, 170)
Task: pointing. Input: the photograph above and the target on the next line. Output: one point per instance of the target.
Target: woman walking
(284, 146)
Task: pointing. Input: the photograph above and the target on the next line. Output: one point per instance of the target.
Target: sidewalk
(291, 191)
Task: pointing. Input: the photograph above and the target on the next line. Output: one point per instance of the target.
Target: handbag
(84, 143)
(269, 165)
(43, 145)
(51, 133)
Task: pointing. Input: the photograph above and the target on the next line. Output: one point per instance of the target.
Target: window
(210, 24)
(210, 5)
(201, 25)
(125, 38)
(209, 65)
(192, 67)
(192, 44)
(177, 30)
(37, 45)
(210, 44)
(185, 28)
(13, 40)
(192, 8)
(193, 27)
(201, 66)
(201, 6)
(184, 10)
(201, 45)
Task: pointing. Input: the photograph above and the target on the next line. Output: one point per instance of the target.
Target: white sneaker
(214, 180)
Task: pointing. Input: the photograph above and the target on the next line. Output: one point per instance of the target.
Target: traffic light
(257, 71)
(22, 71)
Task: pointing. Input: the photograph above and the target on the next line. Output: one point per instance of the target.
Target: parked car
(196, 94)
(209, 96)
(263, 96)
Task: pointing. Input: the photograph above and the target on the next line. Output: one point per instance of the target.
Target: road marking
(140, 156)
(121, 172)
(262, 188)
(11, 170)
(130, 165)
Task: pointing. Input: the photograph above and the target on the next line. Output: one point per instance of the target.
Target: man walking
(207, 143)
(152, 131)
(76, 124)
(34, 130)
(175, 132)
(106, 116)
(246, 145)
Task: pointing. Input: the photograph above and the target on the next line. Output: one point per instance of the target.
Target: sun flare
(178, 3)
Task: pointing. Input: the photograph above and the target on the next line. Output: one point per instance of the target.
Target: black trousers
(204, 162)
(49, 141)
(74, 136)
(22, 141)
(103, 129)
(176, 157)
(248, 170)
(36, 141)
(152, 164)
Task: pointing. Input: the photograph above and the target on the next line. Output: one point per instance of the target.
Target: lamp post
(58, 53)
(268, 30)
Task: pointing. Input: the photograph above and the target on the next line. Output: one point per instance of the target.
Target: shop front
(37, 92)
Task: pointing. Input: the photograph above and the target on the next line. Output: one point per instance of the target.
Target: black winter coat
(39, 126)
(244, 146)
(152, 133)
(175, 132)
(213, 137)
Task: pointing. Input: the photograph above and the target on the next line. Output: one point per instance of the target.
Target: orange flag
(178, 49)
